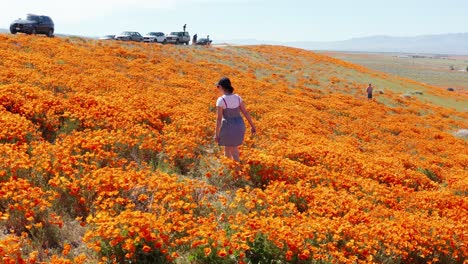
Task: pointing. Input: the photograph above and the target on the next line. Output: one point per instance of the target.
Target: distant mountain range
(453, 44)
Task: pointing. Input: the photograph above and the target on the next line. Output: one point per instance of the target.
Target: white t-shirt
(232, 101)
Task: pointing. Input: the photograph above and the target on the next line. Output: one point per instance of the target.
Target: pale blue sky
(275, 20)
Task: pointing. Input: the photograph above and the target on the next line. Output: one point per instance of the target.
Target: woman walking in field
(230, 126)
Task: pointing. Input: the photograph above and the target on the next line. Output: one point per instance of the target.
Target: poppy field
(107, 156)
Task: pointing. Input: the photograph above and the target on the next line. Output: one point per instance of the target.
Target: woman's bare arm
(248, 117)
(219, 119)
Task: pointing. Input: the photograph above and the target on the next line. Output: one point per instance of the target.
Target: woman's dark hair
(226, 84)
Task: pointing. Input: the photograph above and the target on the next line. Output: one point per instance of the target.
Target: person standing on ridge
(230, 126)
(194, 40)
(370, 90)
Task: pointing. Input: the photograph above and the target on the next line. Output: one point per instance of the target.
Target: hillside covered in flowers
(107, 155)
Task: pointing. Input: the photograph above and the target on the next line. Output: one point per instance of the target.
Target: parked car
(178, 38)
(129, 36)
(204, 42)
(107, 37)
(33, 24)
(157, 37)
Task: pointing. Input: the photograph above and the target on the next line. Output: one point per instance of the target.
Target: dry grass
(431, 71)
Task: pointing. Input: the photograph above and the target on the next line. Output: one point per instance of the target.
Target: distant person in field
(185, 27)
(370, 90)
(230, 126)
(195, 38)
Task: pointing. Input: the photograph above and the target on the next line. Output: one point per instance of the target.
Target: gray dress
(232, 128)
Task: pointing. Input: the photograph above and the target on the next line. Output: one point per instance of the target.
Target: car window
(32, 18)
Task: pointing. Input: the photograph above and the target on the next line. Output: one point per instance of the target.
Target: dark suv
(33, 24)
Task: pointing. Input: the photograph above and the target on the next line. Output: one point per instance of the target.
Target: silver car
(129, 36)
(107, 37)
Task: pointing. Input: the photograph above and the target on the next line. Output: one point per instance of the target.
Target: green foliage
(300, 202)
(198, 256)
(255, 175)
(69, 125)
(262, 250)
(431, 175)
(152, 256)
(61, 90)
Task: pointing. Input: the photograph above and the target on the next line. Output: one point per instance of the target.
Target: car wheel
(13, 31)
(50, 34)
(164, 41)
(33, 31)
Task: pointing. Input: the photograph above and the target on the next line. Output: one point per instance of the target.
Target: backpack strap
(225, 102)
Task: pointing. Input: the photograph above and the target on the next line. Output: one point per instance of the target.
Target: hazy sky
(293, 20)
